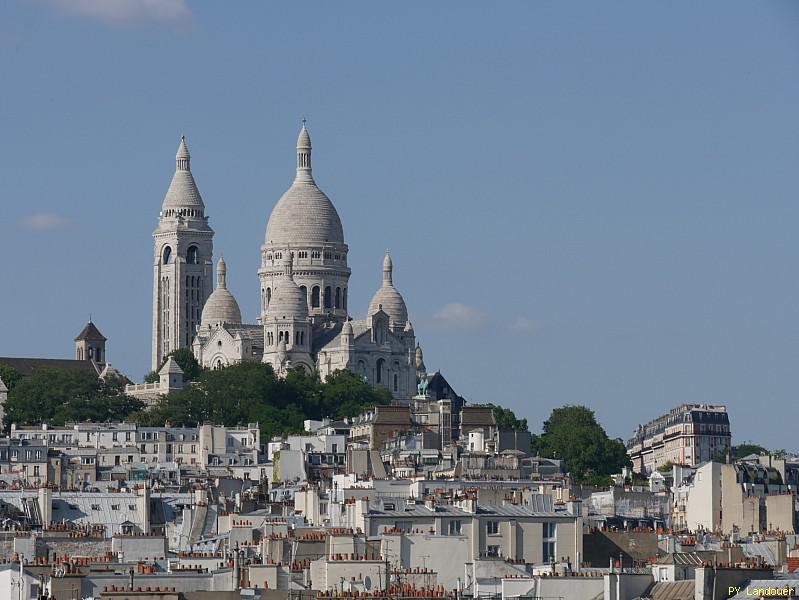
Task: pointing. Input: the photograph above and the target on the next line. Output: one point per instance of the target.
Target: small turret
(171, 375)
(347, 336)
(304, 154)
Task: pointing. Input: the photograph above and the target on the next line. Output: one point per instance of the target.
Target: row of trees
(251, 392)
(60, 395)
(244, 393)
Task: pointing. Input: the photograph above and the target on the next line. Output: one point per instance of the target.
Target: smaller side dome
(288, 301)
(221, 306)
(388, 298)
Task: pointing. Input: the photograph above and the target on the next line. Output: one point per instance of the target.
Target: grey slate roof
(91, 333)
(26, 366)
(670, 590)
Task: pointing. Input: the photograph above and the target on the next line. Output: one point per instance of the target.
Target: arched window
(344, 300)
(315, 297)
(396, 382)
(167, 254)
(304, 291)
(268, 296)
(192, 256)
(379, 366)
(328, 298)
(338, 297)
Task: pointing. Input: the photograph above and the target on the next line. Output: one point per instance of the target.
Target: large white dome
(304, 214)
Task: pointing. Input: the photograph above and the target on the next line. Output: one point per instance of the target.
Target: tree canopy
(186, 361)
(740, 451)
(60, 395)
(506, 419)
(250, 392)
(10, 376)
(572, 434)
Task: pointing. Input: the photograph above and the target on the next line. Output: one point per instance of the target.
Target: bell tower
(90, 344)
(182, 262)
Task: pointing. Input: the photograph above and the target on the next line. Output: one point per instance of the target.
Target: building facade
(689, 434)
(304, 319)
(183, 248)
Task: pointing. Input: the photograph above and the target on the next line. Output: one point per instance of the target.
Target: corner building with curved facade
(304, 302)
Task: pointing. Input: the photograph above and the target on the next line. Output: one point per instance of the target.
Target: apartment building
(689, 434)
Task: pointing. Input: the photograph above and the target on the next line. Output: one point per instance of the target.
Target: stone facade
(183, 248)
(304, 317)
(689, 434)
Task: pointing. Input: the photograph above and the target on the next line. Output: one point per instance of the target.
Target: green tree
(506, 419)
(250, 392)
(742, 450)
(59, 395)
(666, 467)
(573, 435)
(346, 394)
(10, 376)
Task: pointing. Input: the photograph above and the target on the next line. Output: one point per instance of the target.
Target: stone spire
(419, 359)
(304, 154)
(221, 274)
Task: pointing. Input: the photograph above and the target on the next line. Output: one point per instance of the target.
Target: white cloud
(524, 326)
(43, 222)
(459, 316)
(175, 12)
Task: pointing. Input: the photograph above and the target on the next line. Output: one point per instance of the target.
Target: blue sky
(586, 202)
